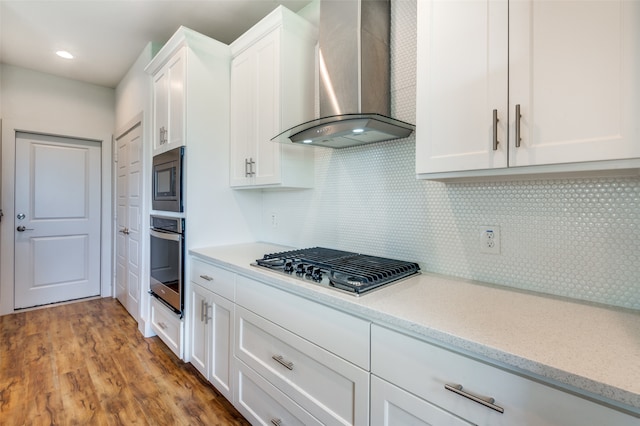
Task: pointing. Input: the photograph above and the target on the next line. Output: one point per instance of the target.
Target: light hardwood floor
(86, 363)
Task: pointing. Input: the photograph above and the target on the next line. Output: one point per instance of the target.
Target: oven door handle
(165, 235)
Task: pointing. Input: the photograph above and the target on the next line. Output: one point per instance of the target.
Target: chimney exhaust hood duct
(354, 83)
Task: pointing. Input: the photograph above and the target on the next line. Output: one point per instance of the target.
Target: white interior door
(121, 220)
(57, 235)
(128, 220)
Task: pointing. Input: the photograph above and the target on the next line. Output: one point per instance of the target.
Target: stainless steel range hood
(354, 83)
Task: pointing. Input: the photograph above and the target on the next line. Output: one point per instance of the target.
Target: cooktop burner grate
(352, 272)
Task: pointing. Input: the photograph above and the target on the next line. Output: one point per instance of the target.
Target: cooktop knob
(288, 266)
(300, 268)
(316, 274)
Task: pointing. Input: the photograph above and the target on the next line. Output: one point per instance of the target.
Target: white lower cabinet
(211, 321)
(168, 326)
(331, 388)
(422, 369)
(262, 403)
(211, 333)
(283, 359)
(392, 406)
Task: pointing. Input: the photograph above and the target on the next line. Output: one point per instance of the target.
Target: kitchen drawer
(391, 406)
(168, 326)
(261, 403)
(423, 369)
(330, 388)
(218, 280)
(333, 330)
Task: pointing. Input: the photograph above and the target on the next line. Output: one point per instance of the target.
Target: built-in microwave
(167, 180)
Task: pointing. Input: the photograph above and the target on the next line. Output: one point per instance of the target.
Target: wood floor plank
(86, 363)
(81, 404)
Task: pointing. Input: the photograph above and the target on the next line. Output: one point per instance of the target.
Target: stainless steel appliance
(353, 273)
(167, 180)
(167, 261)
(354, 84)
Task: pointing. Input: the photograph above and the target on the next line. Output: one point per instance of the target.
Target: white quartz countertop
(592, 349)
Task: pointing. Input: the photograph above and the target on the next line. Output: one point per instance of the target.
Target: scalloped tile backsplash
(577, 238)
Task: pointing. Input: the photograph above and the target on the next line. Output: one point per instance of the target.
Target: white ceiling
(106, 36)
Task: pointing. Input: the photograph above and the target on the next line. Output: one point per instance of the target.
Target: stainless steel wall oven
(167, 261)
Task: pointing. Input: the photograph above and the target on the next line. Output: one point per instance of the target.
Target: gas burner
(351, 272)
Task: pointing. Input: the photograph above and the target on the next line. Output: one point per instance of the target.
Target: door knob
(125, 231)
(22, 229)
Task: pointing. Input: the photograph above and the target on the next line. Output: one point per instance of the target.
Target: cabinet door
(200, 328)
(160, 110)
(242, 130)
(221, 323)
(462, 79)
(176, 69)
(392, 406)
(573, 71)
(267, 120)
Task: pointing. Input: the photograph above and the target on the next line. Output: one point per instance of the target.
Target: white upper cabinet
(183, 92)
(462, 78)
(168, 104)
(272, 89)
(570, 69)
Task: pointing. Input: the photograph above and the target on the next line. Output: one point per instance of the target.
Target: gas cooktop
(351, 272)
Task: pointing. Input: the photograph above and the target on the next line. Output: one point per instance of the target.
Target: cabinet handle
(518, 115)
(204, 311)
(162, 325)
(163, 135)
(281, 361)
(495, 130)
(487, 401)
(206, 277)
(276, 422)
(251, 168)
(247, 173)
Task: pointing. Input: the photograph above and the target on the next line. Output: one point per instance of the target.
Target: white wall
(41, 103)
(133, 93)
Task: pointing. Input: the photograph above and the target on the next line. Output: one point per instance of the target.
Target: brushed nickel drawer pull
(487, 401)
(276, 422)
(162, 325)
(206, 277)
(280, 360)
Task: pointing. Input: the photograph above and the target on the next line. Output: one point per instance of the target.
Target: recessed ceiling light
(64, 54)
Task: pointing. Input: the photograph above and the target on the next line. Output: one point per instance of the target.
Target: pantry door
(128, 219)
(57, 234)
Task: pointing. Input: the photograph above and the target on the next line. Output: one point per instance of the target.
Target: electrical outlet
(490, 239)
(274, 220)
